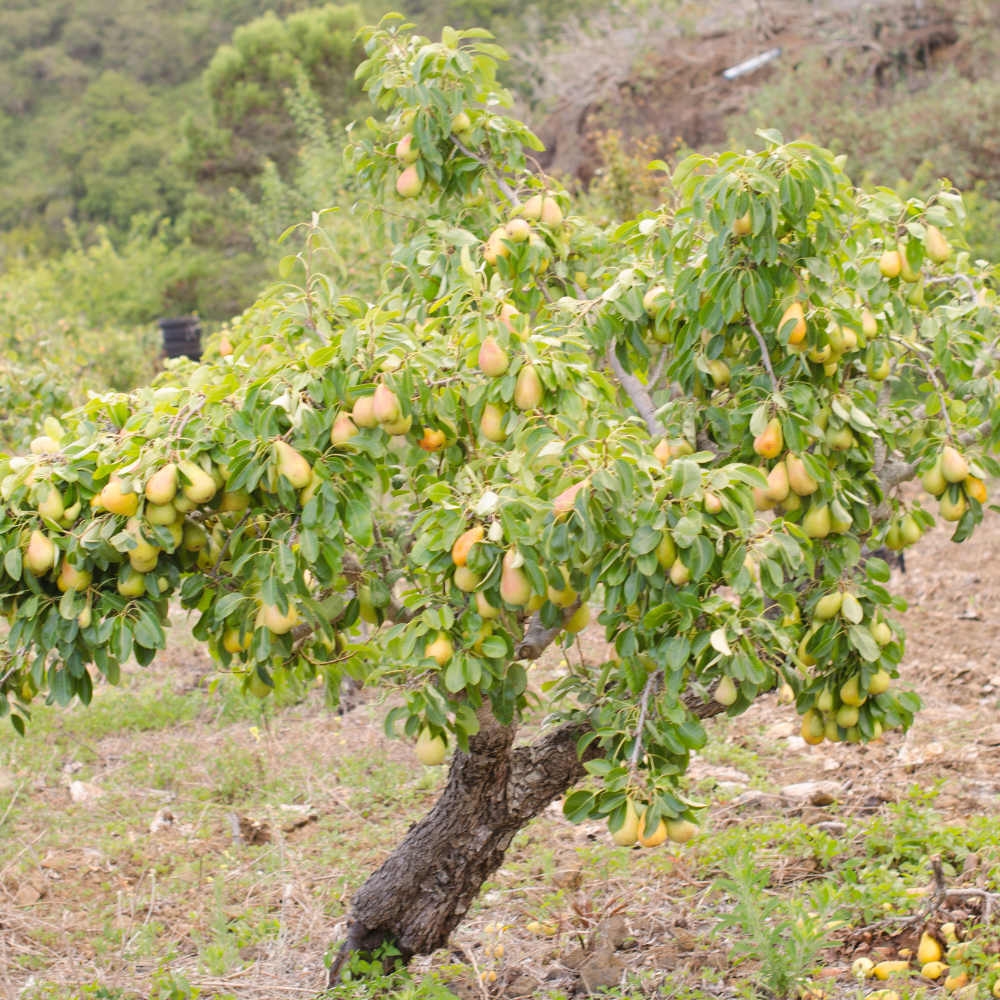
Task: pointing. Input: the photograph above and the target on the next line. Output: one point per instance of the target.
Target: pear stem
(765, 357)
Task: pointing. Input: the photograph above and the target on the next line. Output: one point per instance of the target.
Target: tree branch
(537, 638)
(637, 393)
(500, 182)
(765, 357)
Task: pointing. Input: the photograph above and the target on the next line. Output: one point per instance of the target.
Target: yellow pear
(134, 584)
(70, 577)
(681, 831)
(43, 445)
(974, 487)
(385, 405)
(398, 427)
(769, 442)
(726, 692)
(466, 580)
(85, 617)
(742, 226)
(292, 465)
(869, 325)
(850, 695)
(234, 500)
(514, 586)
(201, 485)
(886, 969)
(794, 312)
(666, 552)
(803, 652)
(847, 716)
(935, 970)
(649, 300)
(51, 507)
(528, 389)
(909, 531)
(117, 502)
(817, 523)
(517, 230)
(564, 502)
(231, 640)
(720, 373)
(161, 487)
(161, 514)
(954, 467)
(951, 510)
(579, 620)
(933, 479)
(277, 622)
(483, 606)
(363, 412)
(491, 422)
(544, 210)
(680, 575)
(406, 152)
(441, 649)
(463, 545)
(40, 555)
(828, 606)
(628, 833)
(656, 837)
(343, 430)
(409, 184)
(813, 730)
(493, 360)
(430, 750)
(798, 479)
(495, 246)
(777, 483)
(565, 597)
(905, 271)
(928, 950)
(936, 246)
(760, 500)
(889, 263)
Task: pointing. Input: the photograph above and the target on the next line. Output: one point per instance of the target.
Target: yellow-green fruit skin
(430, 750)
(628, 833)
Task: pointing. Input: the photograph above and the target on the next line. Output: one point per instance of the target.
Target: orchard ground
(122, 873)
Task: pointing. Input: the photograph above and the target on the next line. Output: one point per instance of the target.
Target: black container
(181, 337)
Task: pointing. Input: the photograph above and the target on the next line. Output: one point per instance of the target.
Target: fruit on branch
(769, 442)
(515, 588)
(565, 597)
(432, 440)
(869, 325)
(493, 359)
(408, 183)
(40, 556)
(194, 537)
(279, 622)
(466, 580)
(161, 487)
(649, 300)
(257, 686)
(343, 429)
(933, 479)
(662, 452)
(461, 122)
(952, 510)
(828, 606)
(134, 583)
(406, 151)
(954, 467)
(889, 263)
(566, 500)
(366, 609)
(291, 465)
(851, 609)
(483, 606)
(51, 507)
(399, 427)
(491, 422)
(813, 730)
(713, 503)
(143, 557)
(681, 831)
(881, 373)
(656, 837)
(235, 500)
(528, 390)
(495, 246)
(363, 412)
(796, 313)
(680, 575)
(463, 544)
(850, 693)
(201, 487)
(720, 373)
(116, 501)
(544, 210)
(231, 642)
(43, 445)
(726, 692)
(70, 577)
(579, 620)
(839, 438)
(798, 479)
(936, 246)
(518, 230)
(817, 522)
(820, 354)
(506, 316)
(441, 649)
(666, 551)
(430, 750)
(742, 226)
(905, 271)
(160, 514)
(777, 483)
(628, 833)
(915, 296)
(976, 489)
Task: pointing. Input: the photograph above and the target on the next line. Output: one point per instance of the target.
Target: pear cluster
(633, 829)
(950, 481)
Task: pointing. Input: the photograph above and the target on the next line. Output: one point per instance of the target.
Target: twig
(940, 393)
(644, 707)
(765, 357)
(225, 544)
(383, 555)
(475, 969)
(637, 393)
(10, 805)
(500, 182)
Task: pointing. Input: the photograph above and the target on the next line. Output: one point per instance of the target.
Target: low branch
(637, 393)
(500, 182)
(765, 357)
(537, 638)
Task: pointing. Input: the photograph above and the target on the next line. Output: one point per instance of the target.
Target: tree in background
(538, 423)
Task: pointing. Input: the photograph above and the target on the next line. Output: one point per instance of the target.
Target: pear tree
(688, 431)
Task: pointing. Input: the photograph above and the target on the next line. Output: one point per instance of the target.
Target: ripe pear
(813, 729)
(713, 503)
(936, 246)
(546, 211)
(385, 405)
(786, 694)
(681, 831)
(134, 584)
(680, 575)
(292, 465)
(433, 440)
(905, 271)
(406, 151)
(720, 373)
(565, 597)
(399, 427)
(117, 502)
(363, 412)
(535, 602)
(886, 969)
(847, 716)
(935, 970)
(430, 750)
(184, 506)
(409, 184)
(195, 537)
(933, 479)
(85, 617)
(231, 640)
(343, 430)
(40, 556)
(565, 501)
(726, 693)
(794, 312)
(663, 452)
(777, 483)
(869, 325)
(817, 523)
(742, 226)
(506, 314)
(441, 649)
(528, 389)
(881, 373)
(824, 703)
(70, 577)
(882, 680)
(840, 438)
(951, 510)
(649, 302)
(491, 422)
(850, 693)
(769, 442)
(954, 467)
(821, 354)
(517, 230)
(201, 486)
(234, 500)
(628, 833)
(495, 246)
(271, 616)
(466, 580)
(976, 489)
(666, 552)
(656, 837)
(828, 606)
(161, 514)
(831, 731)
(514, 586)
(579, 620)
(463, 544)
(43, 445)
(798, 479)
(889, 263)
(177, 533)
(928, 950)
(910, 531)
(484, 608)
(493, 360)
(161, 487)
(52, 507)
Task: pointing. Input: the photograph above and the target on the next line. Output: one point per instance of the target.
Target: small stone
(834, 828)
(82, 791)
(817, 793)
(811, 815)
(603, 969)
(613, 932)
(573, 959)
(523, 986)
(779, 731)
(28, 894)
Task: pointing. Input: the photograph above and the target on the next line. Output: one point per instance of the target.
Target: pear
(466, 580)
(680, 575)
(85, 617)
(517, 230)
(70, 577)
(161, 487)
(681, 831)
(506, 314)
(579, 620)
(817, 523)
(847, 716)
(915, 296)
(803, 654)
(399, 427)
(292, 465)
(535, 602)
(813, 731)
(493, 360)
(258, 687)
(742, 226)
(365, 606)
(528, 390)
(161, 514)
(491, 422)
(798, 479)
(909, 531)
(828, 606)
(777, 483)
(713, 504)
(277, 622)
(831, 731)
(662, 452)
(760, 501)
(905, 271)
(656, 837)
(628, 833)
(821, 354)
(839, 439)
(385, 405)
(881, 373)
(936, 246)
(483, 606)
(433, 440)
(343, 430)
(234, 500)
(720, 373)
(952, 510)
(182, 505)
(565, 501)
(882, 680)
(544, 210)
(441, 649)
(176, 533)
(935, 970)
(195, 536)
(406, 153)
(43, 445)
(726, 693)
(825, 700)
(786, 694)
(134, 584)
(769, 442)
(666, 552)
(495, 246)
(976, 489)
(408, 183)
(933, 479)
(796, 313)
(201, 486)
(231, 640)
(928, 950)
(430, 750)
(143, 556)
(954, 467)
(869, 325)
(52, 507)
(889, 263)
(565, 597)
(850, 693)
(117, 502)
(514, 586)
(363, 413)
(40, 555)
(463, 545)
